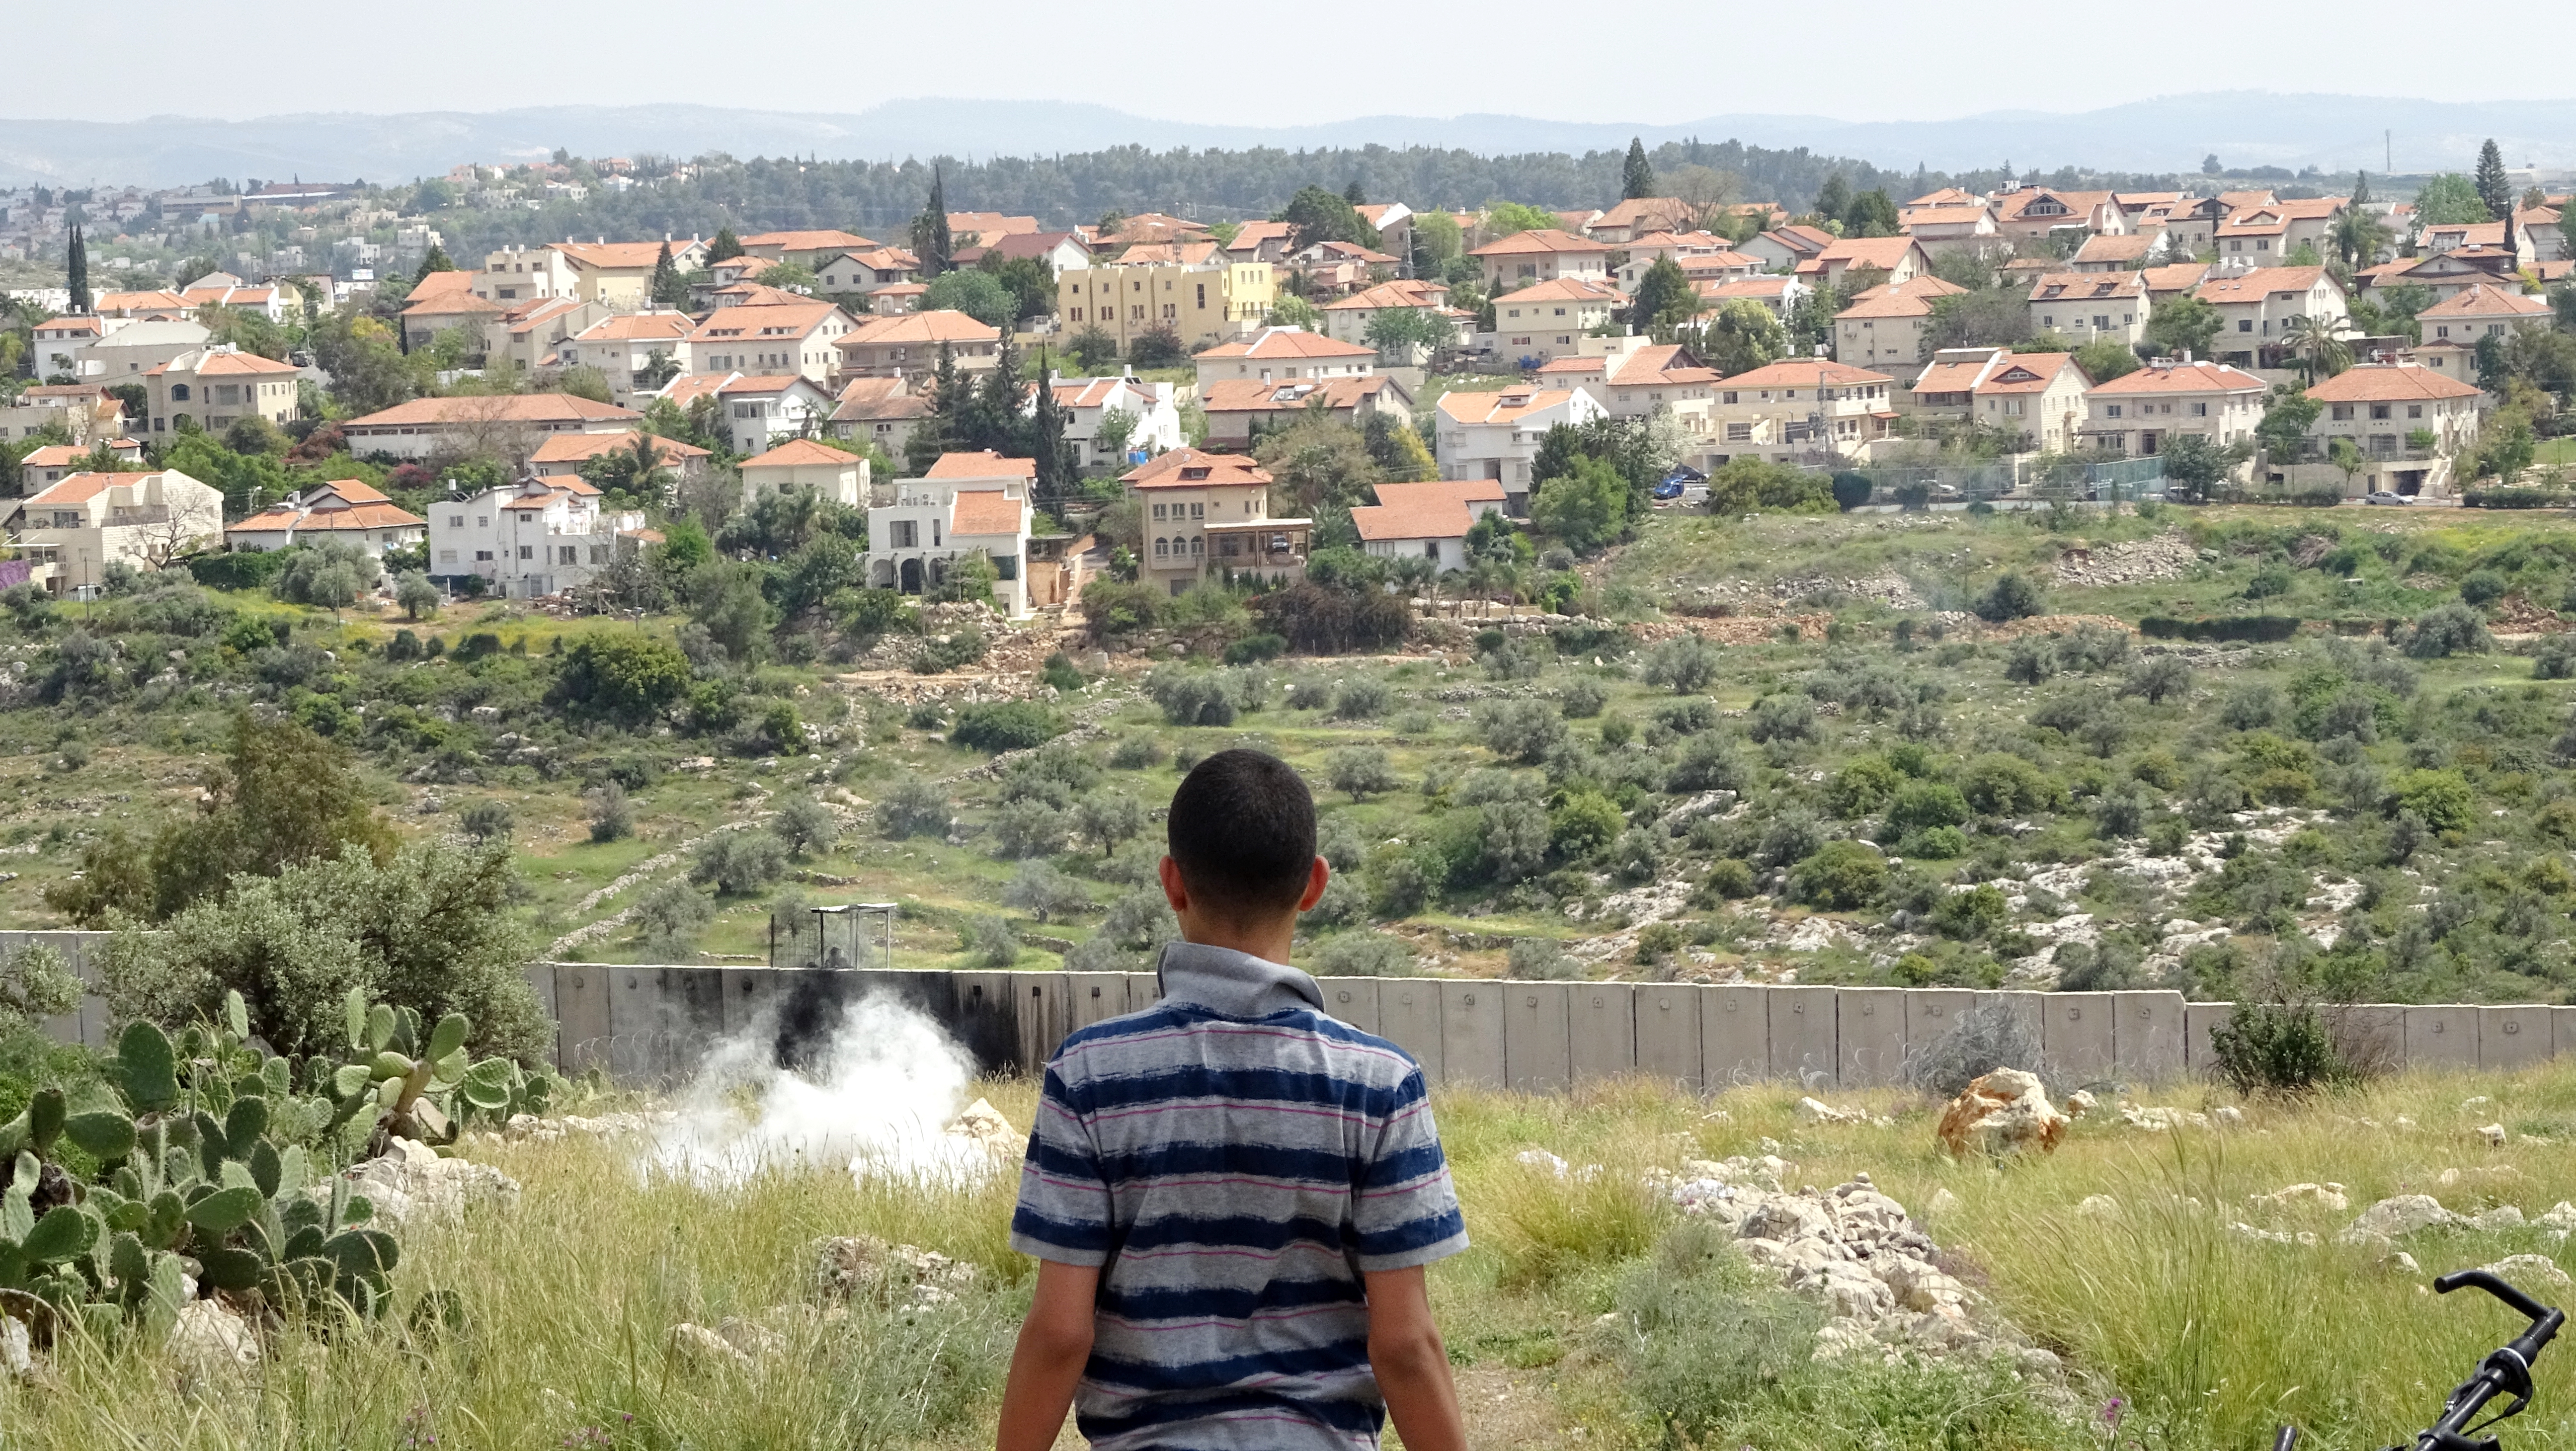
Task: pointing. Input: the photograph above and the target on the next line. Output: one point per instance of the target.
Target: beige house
(212, 387)
(1780, 294)
(1206, 516)
(808, 249)
(447, 310)
(761, 410)
(2126, 252)
(45, 467)
(2140, 413)
(2257, 306)
(619, 275)
(520, 273)
(868, 271)
(2030, 213)
(1636, 217)
(1550, 320)
(2481, 311)
(70, 532)
(1527, 257)
(1167, 287)
(1781, 249)
(1236, 406)
(125, 355)
(802, 338)
(1890, 325)
(882, 411)
(1347, 319)
(1970, 224)
(530, 334)
(1803, 409)
(1427, 520)
(909, 345)
(504, 426)
(2039, 396)
(1496, 435)
(1285, 355)
(801, 463)
(567, 452)
(1634, 377)
(627, 347)
(2091, 306)
(2408, 421)
(1902, 259)
(83, 411)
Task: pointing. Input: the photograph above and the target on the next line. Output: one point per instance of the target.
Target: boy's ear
(1175, 891)
(1315, 880)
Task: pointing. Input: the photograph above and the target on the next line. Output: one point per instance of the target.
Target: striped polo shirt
(1233, 1159)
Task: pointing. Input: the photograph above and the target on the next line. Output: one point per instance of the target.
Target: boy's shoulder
(1359, 1053)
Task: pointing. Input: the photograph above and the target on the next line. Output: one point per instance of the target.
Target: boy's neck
(1271, 941)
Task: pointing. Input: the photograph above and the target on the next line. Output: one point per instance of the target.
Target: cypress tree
(2493, 188)
(931, 241)
(666, 287)
(1637, 178)
(2360, 188)
(724, 248)
(436, 261)
(1054, 455)
(76, 265)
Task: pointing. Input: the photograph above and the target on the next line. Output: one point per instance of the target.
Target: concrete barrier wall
(657, 1024)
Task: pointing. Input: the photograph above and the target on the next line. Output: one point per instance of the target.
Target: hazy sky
(1510, 56)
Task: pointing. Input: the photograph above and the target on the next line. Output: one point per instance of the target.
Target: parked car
(2384, 496)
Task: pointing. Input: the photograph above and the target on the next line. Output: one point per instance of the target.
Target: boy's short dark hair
(1242, 831)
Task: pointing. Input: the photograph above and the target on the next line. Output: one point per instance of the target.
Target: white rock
(2004, 1112)
(2399, 1215)
(2503, 1216)
(2561, 1215)
(1816, 1112)
(2274, 1236)
(2079, 1103)
(704, 1349)
(2098, 1206)
(411, 1181)
(1942, 1202)
(2524, 1271)
(2303, 1196)
(2400, 1262)
(17, 1354)
(2228, 1113)
(2161, 1120)
(1541, 1159)
(2493, 1134)
(208, 1339)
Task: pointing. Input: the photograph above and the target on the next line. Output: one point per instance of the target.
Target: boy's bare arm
(1055, 1343)
(1412, 1365)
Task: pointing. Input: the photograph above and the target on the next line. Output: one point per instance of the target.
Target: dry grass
(2209, 1337)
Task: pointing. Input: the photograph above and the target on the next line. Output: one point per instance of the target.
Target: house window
(904, 533)
(178, 392)
(1162, 548)
(2200, 410)
(2342, 412)
(527, 551)
(1158, 513)
(2381, 410)
(1198, 511)
(447, 556)
(567, 554)
(2245, 324)
(1198, 547)
(2414, 410)
(2112, 411)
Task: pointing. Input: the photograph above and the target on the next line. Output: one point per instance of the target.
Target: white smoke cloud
(878, 1101)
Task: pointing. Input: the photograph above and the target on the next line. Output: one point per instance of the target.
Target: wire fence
(2022, 476)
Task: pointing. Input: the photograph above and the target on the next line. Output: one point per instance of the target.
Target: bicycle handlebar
(2505, 1371)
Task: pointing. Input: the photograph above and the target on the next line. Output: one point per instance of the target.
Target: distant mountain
(2243, 128)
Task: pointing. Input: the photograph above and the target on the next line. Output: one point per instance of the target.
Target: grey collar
(1233, 984)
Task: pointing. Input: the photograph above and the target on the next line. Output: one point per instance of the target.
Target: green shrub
(1361, 954)
(2012, 596)
(1729, 879)
(1839, 876)
(2276, 1047)
(1006, 725)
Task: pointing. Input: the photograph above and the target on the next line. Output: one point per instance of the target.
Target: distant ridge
(2243, 128)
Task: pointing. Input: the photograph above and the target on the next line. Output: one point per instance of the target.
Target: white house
(525, 540)
(71, 531)
(1496, 435)
(760, 411)
(1157, 418)
(1285, 354)
(628, 349)
(1428, 521)
(968, 504)
(801, 463)
(343, 511)
(771, 338)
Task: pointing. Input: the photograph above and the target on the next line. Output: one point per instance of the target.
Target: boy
(1231, 1195)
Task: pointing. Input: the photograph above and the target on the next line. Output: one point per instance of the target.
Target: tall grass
(2208, 1337)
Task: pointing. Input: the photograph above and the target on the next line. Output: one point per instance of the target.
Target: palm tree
(2315, 340)
(2358, 237)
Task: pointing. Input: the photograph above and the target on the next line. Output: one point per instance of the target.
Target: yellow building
(1202, 298)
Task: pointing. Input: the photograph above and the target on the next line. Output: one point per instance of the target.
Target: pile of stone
(1853, 1250)
(2140, 561)
(411, 1183)
(863, 1268)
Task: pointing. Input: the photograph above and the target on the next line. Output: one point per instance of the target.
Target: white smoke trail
(878, 1102)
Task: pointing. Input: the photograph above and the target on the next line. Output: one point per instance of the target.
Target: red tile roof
(982, 464)
(2390, 383)
(799, 453)
(1190, 468)
(985, 511)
